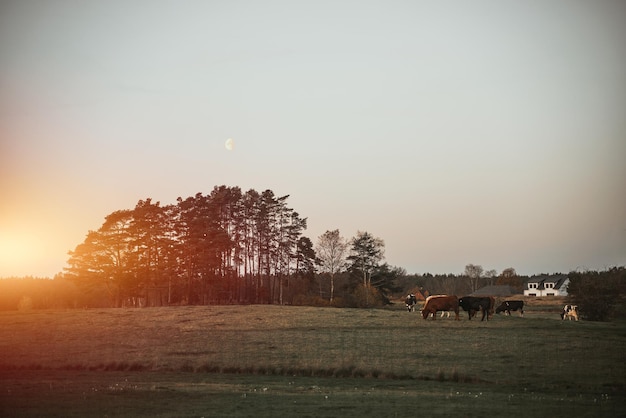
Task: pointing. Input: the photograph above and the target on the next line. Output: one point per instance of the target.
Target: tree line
(230, 247)
(600, 295)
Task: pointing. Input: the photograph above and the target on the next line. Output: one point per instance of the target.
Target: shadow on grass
(341, 372)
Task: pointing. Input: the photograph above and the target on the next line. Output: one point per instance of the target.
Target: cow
(570, 311)
(511, 305)
(440, 303)
(442, 314)
(410, 302)
(473, 304)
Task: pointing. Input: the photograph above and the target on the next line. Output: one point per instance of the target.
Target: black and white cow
(570, 311)
(511, 305)
(410, 302)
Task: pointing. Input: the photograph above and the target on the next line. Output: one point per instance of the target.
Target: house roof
(500, 290)
(558, 279)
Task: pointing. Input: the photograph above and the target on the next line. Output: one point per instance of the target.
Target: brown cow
(440, 303)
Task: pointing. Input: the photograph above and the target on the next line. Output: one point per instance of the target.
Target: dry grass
(520, 356)
(295, 340)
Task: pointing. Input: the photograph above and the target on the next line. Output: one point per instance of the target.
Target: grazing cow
(410, 302)
(473, 304)
(511, 305)
(443, 313)
(570, 311)
(440, 303)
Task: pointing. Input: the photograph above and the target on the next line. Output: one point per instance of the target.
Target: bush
(340, 302)
(310, 300)
(25, 304)
(597, 294)
(368, 297)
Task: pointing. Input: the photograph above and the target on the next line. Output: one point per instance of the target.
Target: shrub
(25, 304)
(597, 293)
(310, 300)
(368, 297)
(339, 302)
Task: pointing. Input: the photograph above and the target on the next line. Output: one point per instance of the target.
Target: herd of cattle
(474, 304)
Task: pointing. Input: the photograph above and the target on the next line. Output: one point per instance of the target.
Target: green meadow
(264, 361)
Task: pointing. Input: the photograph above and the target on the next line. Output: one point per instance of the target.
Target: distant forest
(229, 247)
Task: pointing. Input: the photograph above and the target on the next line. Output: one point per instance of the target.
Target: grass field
(302, 361)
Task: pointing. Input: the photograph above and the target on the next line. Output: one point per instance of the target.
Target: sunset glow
(484, 133)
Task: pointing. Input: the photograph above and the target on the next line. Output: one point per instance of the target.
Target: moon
(229, 144)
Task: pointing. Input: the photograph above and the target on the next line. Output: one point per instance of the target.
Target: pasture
(267, 361)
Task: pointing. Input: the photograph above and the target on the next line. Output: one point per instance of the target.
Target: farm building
(498, 291)
(544, 285)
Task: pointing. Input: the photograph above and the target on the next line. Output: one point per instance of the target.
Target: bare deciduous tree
(473, 274)
(331, 250)
(491, 276)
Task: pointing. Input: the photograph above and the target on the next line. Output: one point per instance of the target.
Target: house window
(549, 285)
(550, 294)
(532, 285)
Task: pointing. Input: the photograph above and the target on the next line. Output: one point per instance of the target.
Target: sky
(489, 132)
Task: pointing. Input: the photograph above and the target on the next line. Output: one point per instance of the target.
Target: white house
(555, 285)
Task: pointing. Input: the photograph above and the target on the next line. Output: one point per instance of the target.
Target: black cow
(473, 304)
(410, 302)
(511, 305)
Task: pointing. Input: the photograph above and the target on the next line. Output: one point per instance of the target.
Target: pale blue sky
(484, 132)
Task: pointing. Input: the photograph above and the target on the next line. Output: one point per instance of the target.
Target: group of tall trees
(356, 265)
(224, 247)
